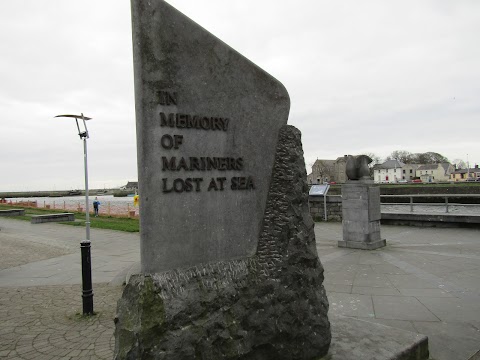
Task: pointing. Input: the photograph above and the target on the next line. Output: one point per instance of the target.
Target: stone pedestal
(361, 216)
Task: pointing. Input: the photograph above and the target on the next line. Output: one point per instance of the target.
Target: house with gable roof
(328, 171)
(388, 172)
(435, 172)
(471, 174)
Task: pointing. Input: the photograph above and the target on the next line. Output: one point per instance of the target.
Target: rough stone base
(354, 339)
(270, 306)
(362, 245)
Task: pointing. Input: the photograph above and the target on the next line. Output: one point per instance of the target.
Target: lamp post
(87, 289)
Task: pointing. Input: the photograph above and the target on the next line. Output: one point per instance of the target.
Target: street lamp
(87, 289)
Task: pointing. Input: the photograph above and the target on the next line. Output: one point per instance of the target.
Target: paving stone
(351, 305)
(410, 282)
(338, 288)
(401, 308)
(450, 340)
(453, 309)
(425, 292)
(371, 279)
(368, 290)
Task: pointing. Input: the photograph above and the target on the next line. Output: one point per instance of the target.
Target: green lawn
(101, 222)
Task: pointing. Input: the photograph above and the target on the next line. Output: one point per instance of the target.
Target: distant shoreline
(61, 193)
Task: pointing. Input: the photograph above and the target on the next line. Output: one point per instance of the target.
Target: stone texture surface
(354, 339)
(207, 79)
(334, 208)
(269, 306)
(361, 216)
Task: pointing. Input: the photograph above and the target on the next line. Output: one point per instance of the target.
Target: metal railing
(446, 203)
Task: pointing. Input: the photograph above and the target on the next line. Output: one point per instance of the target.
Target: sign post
(321, 190)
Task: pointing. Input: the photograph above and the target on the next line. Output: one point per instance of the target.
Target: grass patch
(81, 317)
(101, 222)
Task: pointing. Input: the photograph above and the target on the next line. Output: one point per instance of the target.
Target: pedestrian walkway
(49, 254)
(426, 280)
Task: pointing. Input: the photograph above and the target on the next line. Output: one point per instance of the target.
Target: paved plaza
(426, 280)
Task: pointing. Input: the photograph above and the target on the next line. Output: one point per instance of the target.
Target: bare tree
(417, 158)
(375, 161)
(429, 158)
(401, 155)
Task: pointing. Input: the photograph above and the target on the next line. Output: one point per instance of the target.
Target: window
(411, 171)
(404, 173)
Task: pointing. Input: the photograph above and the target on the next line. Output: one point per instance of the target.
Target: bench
(12, 212)
(38, 219)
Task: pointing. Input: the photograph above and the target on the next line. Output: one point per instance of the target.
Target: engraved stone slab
(271, 306)
(207, 127)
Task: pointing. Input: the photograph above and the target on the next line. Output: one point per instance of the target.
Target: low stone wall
(334, 207)
(12, 212)
(431, 220)
(38, 219)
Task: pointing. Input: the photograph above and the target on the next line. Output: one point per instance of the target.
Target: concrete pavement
(426, 280)
(49, 254)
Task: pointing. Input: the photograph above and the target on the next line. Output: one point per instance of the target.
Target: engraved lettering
(205, 123)
(169, 164)
(178, 140)
(188, 121)
(213, 185)
(239, 162)
(166, 141)
(165, 189)
(181, 120)
(194, 164)
(197, 182)
(221, 181)
(167, 121)
(180, 185)
(167, 97)
(182, 164)
(242, 183)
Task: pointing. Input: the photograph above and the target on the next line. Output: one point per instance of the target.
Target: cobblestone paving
(37, 325)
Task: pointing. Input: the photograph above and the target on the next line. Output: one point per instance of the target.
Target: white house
(391, 171)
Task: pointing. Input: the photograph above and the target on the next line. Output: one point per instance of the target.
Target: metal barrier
(445, 196)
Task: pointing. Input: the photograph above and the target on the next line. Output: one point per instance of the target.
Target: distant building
(435, 172)
(131, 185)
(328, 171)
(471, 174)
(394, 171)
(391, 171)
(409, 172)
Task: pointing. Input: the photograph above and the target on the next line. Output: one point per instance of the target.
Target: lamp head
(82, 134)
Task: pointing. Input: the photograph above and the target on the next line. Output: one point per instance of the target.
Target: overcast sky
(363, 76)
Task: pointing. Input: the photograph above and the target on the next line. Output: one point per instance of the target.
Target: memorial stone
(207, 125)
(229, 266)
(360, 207)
